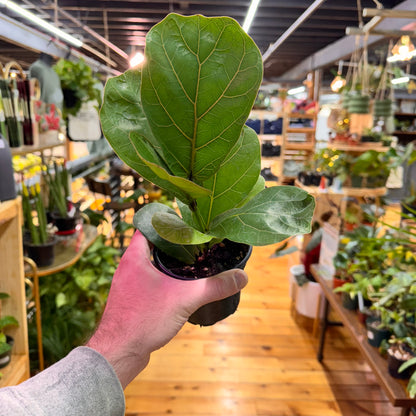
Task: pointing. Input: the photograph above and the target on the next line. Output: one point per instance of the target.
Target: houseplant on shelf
(39, 239)
(179, 122)
(64, 214)
(6, 341)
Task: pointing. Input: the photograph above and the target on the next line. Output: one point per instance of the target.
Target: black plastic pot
(6, 356)
(376, 335)
(42, 254)
(215, 311)
(394, 364)
(65, 225)
(348, 302)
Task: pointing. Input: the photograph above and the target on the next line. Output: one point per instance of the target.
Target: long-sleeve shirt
(82, 383)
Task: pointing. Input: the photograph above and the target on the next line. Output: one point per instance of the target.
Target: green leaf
(60, 300)
(182, 188)
(126, 128)
(257, 188)
(234, 180)
(142, 220)
(172, 228)
(8, 321)
(274, 215)
(199, 83)
(4, 295)
(4, 347)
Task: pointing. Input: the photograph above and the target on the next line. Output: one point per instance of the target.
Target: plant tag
(370, 335)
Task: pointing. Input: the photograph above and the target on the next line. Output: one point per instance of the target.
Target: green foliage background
(72, 302)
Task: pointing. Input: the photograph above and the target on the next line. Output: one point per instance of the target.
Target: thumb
(214, 288)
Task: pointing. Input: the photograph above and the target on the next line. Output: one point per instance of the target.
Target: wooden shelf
(12, 282)
(16, 371)
(300, 146)
(309, 116)
(399, 114)
(270, 137)
(360, 148)
(300, 130)
(407, 133)
(23, 150)
(395, 389)
(357, 192)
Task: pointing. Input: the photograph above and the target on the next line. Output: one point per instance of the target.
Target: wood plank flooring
(258, 362)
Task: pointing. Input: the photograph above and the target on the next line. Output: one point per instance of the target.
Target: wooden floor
(258, 362)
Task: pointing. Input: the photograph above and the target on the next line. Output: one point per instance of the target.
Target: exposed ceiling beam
(292, 28)
(386, 33)
(30, 38)
(393, 14)
(344, 47)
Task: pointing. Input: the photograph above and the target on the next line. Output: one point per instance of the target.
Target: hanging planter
(359, 104)
(383, 108)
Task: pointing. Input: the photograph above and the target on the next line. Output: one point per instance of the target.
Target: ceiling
(125, 24)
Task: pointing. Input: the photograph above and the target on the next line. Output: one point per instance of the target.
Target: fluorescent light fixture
(136, 60)
(395, 58)
(297, 90)
(42, 23)
(250, 15)
(400, 80)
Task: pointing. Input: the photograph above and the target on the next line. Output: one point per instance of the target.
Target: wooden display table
(67, 252)
(394, 388)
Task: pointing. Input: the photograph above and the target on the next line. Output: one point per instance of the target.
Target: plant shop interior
(278, 135)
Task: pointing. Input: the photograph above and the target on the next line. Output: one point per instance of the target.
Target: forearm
(83, 383)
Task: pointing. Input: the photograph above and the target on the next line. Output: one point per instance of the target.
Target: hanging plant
(78, 84)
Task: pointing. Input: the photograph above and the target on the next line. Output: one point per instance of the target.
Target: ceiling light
(250, 15)
(136, 60)
(400, 80)
(42, 23)
(297, 90)
(403, 50)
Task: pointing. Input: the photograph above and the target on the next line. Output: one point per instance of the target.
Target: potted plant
(400, 351)
(39, 239)
(180, 123)
(78, 85)
(64, 214)
(6, 341)
(408, 204)
(411, 385)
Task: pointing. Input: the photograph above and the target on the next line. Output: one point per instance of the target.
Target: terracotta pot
(215, 311)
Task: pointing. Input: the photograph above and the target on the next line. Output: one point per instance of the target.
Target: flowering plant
(47, 116)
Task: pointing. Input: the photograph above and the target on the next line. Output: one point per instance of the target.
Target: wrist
(127, 364)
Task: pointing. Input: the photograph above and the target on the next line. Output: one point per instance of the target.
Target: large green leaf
(172, 228)
(199, 83)
(127, 130)
(235, 178)
(274, 214)
(142, 220)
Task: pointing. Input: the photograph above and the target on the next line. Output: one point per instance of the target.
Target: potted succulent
(6, 341)
(180, 123)
(38, 240)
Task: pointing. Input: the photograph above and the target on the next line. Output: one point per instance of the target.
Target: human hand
(146, 309)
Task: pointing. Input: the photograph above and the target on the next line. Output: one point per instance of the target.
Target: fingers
(214, 288)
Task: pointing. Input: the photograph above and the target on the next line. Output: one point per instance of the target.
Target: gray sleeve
(82, 383)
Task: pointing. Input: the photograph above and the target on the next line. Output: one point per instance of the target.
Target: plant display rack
(13, 282)
(301, 151)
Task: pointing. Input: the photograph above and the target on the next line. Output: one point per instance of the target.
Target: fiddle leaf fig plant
(179, 121)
